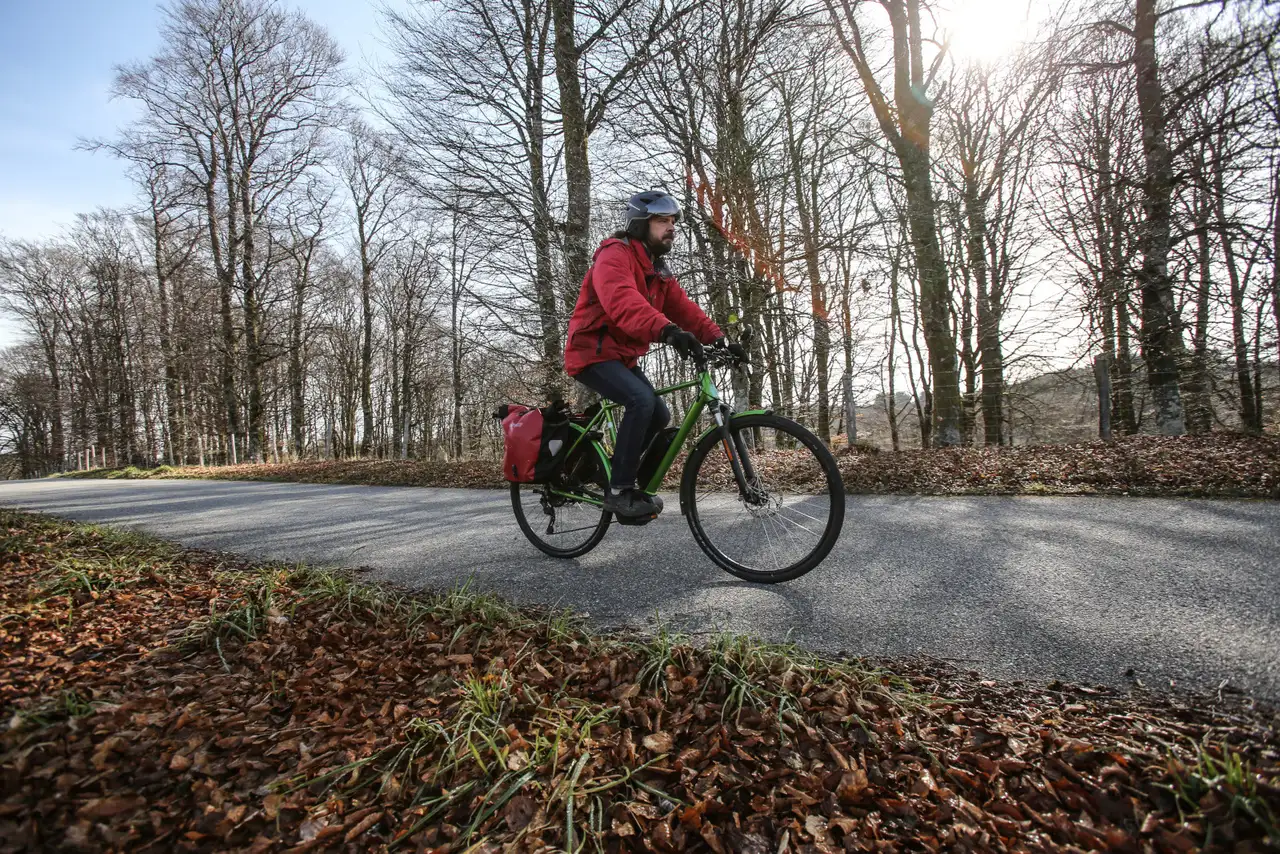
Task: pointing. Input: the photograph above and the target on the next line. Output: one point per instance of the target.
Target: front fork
(739, 460)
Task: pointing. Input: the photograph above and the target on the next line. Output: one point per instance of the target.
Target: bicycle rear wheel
(563, 526)
(793, 512)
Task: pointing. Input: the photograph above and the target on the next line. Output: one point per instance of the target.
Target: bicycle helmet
(650, 203)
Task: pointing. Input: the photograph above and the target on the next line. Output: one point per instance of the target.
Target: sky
(57, 60)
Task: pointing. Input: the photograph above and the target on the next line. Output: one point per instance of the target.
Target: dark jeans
(646, 414)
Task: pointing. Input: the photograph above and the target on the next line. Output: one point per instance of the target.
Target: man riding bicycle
(628, 300)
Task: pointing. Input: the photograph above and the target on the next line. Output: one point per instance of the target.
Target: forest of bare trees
(326, 261)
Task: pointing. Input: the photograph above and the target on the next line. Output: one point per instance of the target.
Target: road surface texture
(1087, 590)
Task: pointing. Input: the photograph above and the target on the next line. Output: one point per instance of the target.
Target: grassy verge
(182, 700)
(1218, 465)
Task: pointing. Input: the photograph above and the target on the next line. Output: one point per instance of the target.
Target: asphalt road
(1087, 590)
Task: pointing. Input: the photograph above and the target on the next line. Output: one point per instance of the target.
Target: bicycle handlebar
(717, 358)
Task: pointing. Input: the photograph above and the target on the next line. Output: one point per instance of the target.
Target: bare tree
(1091, 204)
(468, 102)
(174, 235)
(995, 122)
(370, 174)
(828, 169)
(241, 93)
(1161, 343)
(906, 125)
(32, 280)
(592, 66)
(1160, 96)
(711, 106)
(304, 222)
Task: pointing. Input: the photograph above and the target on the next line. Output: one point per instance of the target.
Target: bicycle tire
(689, 491)
(597, 529)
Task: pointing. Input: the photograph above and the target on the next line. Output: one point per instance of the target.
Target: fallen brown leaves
(1223, 465)
(479, 474)
(189, 701)
(1226, 465)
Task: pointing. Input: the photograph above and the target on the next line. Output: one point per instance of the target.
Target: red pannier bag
(532, 441)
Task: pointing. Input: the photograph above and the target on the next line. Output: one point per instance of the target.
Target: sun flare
(986, 30)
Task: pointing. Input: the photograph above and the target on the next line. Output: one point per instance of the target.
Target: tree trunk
(1115, 296)
(224, 264)
(990, 350)
(807, 205)
(850, 409)
(577, 166)
(366, 341)
(118, 369)
(1125, 410)
(296, 374)
(969, 362)
(50, 347)
(1161, 341)
(1102, 376)
(173, 425)
(891, 401)
(1259, 323)
(1250, 418)
(544, 286)
(769, 349)
(1199, 387)
(408, 351)
(455, 352)
(924, 408)
(395, 339)
(935, 296)
(1275, 255)
(920, 391)
(253, 359)
(541, 226)
(787, 367)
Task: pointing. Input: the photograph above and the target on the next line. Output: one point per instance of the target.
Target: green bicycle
(762, 495)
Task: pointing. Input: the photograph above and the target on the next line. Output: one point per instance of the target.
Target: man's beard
(658, 248)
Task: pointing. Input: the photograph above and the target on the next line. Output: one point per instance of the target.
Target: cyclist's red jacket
(623, 306)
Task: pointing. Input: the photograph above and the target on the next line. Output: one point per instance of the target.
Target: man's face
(662, 231)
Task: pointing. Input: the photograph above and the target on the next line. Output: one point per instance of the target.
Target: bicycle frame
(708, 396)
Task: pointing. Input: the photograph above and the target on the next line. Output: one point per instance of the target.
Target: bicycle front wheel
(791, 515)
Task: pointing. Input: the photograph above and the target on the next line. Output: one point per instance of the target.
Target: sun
(986, 31)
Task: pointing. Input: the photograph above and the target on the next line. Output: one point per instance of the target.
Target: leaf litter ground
(1215, 465)
(163, 699)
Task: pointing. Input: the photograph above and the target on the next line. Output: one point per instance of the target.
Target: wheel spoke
(772, 550)
(781, 519)
(790, 509)
(778, 520)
